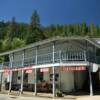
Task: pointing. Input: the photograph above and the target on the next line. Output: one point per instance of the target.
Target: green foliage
(35, 20)
(58, 91)
(6, 45)
(1, 45)
(34, 30)
(14, 35)
(17, 43)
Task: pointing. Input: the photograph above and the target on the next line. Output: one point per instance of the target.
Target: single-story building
(64, 63)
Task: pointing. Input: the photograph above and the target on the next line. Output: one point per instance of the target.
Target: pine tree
(92, 30)
(10, 34)
(83, 29)
(34, 32)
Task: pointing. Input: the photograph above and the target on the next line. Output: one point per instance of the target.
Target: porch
(59, 57)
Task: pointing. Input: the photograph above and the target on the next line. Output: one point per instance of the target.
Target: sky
(52, 11)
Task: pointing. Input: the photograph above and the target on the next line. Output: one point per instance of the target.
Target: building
(65, 63)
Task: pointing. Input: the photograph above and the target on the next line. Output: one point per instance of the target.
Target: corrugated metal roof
(90, 40)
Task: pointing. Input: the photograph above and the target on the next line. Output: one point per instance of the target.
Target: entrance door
(79, 79)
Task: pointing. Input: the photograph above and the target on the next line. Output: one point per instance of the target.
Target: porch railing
(60, 56)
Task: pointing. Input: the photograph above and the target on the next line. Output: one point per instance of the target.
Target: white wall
(67, 81)
(46, 76)
(15, 77)
(80, 77)
(31, 78)
(19, 74)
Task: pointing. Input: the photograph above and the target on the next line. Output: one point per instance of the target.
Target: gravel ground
(89, 98)
(11, 97)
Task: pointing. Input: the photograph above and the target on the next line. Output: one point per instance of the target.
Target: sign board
(7, 71)
(29, 71)
(24, 68)
(44, 69)
(27, 68)
(94, 67)
(16, 69)
(73, 68)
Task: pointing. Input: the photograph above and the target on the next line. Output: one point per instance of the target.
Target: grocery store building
(69, 64)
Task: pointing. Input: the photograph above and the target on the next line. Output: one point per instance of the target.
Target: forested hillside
(14, 34)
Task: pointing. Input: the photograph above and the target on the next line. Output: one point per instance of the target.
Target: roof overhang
(51, 40)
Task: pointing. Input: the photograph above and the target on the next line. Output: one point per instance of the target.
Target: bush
(58, 93)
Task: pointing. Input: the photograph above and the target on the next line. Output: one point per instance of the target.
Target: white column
(60, 56)
(85, 58)
(23, 57)
(36, 73)
(90, 78)
(10, 76)
(21, 89)
(1, 76)
(53, 71)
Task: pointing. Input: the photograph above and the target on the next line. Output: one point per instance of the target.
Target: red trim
(73, 68)
(44, 69)
(29, 71)
(18, 69)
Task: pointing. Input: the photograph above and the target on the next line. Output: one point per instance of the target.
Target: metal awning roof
(50, 40)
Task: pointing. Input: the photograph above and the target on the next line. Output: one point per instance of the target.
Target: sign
(16, 69)
(24, 68)
(7, 71)
(29, 71)
(94, 67)
(73, 68)
(44, 69)
(27, 68)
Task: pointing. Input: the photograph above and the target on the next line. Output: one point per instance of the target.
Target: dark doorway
(95, 81)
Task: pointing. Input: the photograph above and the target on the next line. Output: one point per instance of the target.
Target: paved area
(89, 98)
(11, 97)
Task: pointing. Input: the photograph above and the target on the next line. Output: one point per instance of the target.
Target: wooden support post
(35, 82)
(1, 77)
(53, 70)
(21, 89)
(10, 76)
(90, 78)
(36, 73)
(22, 73)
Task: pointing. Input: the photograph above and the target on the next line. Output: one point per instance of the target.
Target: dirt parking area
(89, 98)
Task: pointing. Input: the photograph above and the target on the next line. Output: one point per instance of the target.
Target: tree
(98, 31)
(83, 29)
(35, 21)
(92, 30)
(22, 30)
(12, 29)
(16, 43)
(3, 29)
(34, 32)
(1, 45)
